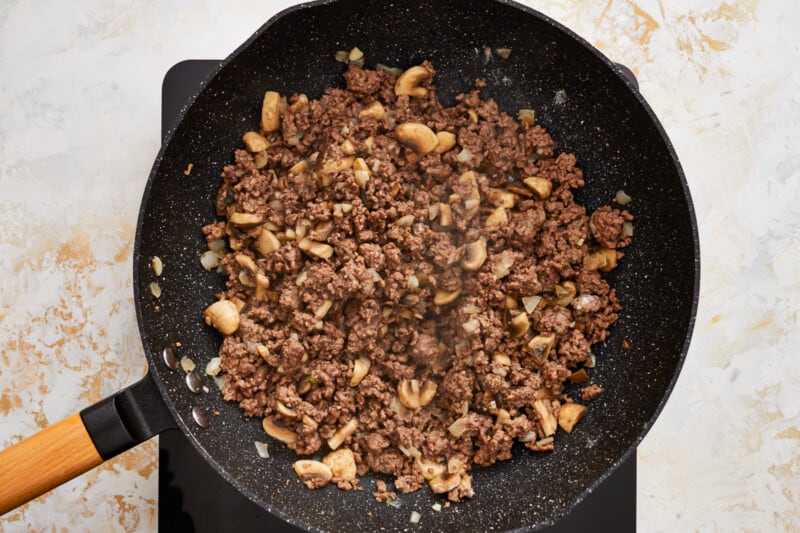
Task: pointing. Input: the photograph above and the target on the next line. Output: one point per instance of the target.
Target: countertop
(79, 128)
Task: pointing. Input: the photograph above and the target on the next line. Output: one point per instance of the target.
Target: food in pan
(409, 285)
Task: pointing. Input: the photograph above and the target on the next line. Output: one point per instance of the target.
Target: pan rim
(167, 138)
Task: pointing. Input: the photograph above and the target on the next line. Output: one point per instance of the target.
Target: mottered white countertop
(80, 88)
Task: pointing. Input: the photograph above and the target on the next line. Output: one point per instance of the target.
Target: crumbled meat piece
(587, 393)
(365, 234)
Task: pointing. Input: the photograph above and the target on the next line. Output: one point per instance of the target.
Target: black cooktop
(192, 497)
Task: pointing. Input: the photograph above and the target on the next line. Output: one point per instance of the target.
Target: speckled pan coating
(589, 108)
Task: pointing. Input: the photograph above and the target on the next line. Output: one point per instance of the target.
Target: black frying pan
(590, 106)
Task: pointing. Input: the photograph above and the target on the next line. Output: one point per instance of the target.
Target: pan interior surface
(588, 109)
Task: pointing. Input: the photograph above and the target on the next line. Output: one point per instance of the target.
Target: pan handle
(80, 442)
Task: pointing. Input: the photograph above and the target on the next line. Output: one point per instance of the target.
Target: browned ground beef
(292, 362)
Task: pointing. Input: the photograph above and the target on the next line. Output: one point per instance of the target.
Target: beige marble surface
(79, 127)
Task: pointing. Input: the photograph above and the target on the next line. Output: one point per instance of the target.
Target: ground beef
(386, 303)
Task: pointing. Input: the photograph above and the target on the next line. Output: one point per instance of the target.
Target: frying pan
(590, 106)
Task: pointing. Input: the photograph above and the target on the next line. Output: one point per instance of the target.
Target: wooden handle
(44, 461)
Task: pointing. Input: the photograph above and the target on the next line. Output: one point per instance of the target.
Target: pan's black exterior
(589, 108)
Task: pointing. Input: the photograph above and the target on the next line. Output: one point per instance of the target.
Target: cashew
(540, 347)
(540, 186)
(430, 469)
(474, 255)
(416, 136)
(445, 215)
(313, 474)
(545, 417)
(342, 463)
(374, 110)
(360, 370)
(317, 249)
(276, 430)
(267, 242)
(342, 433)
(446, 141)
(409, 82)
(569, 414)
(255, 142)
(245, 220)
(223, 315)
(408, 393)
(427, 393)
(497, 217)
(519, 325)
(501, 198)
(442, 484)
(445, 297)
(271, 111)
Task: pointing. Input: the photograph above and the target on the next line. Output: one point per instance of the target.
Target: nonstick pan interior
(589, 109)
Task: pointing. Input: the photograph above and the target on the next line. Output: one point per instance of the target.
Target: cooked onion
(212, 368)
(262, 449)
(209, 260)
(464, 155)
(622, 198)
(217, 245)
(414, 518)
(627, 229)
(531, 303)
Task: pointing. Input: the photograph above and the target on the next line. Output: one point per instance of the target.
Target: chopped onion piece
(413, 282)
(436, 507)
(528, 436)
(470, 309)
(593, 361)
(545, 441)
(219, 381)
(212, 368)
(622, 198)
(187, 364)
(464, 155)
(627, 229)
(217, 245)
(262, 448)
(433, 211)
(531, 303)
(209, 260)
(392, 502)
(470, 326)
(414, 518)
(301, 278)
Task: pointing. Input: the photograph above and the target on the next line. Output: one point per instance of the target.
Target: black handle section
(127, 418)
(628, 73)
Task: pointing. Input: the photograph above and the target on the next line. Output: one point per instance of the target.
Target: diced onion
(219, 381)
(627, 229)
(592, 361)
(212, 368)
(187, 364)
(392, 502)
(464, 155)
(436, 507)
(622, 198)
(209, 260)
(470, 326)
(531, 303)
(217, 245)
(528, 436)
(414, 518)
(155, 289)
(262, 449)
